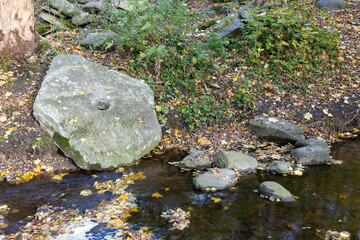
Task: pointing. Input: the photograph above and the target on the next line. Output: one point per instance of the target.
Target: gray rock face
(331, 4)
(273, 191)
(53, 20)
(93, 7)
(313, 142)
(83, 19)
(276, 130)
(279, 167)
(310, 155)
(66, 8)
(194, 161)
(123, 4)
(231, 27)
(222, 180)
(93, 39)
(98, 117)
(236, 160)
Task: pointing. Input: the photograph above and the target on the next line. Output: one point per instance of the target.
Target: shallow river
(329, 198)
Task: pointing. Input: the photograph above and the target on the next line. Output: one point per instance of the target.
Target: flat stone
(93, 7)
(94, 39)
(310, 155)
(276, 130)
(98, 117)
(280, 167)
(222, 180)
(83, 19)
(313, 142)
(67, 8)
(236, 160)
(195, 161)
(273, 191)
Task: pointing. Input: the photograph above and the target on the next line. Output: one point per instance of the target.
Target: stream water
(329, 198)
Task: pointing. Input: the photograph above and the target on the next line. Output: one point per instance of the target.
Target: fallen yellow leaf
(216, 200)
(157, 195)
(203, 141)
(59, 176)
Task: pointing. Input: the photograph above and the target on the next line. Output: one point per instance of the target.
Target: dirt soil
(333, 106)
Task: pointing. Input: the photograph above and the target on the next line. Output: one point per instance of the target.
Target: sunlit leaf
(216, 200)
(59, 176)
(86, 192)
(157, 195)
(203, 141)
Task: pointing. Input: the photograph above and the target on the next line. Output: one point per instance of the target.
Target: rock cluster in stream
(230, 165)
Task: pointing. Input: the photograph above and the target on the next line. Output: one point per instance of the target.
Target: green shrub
(163, 37)
(287, 42)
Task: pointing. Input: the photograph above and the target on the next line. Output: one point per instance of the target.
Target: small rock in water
(222, 179)
(274, 191)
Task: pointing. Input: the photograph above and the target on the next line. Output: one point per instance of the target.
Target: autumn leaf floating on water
(216, 200)
(4, 209)
(59, 177)
(86, 192)
(156, 195)
(178, 218)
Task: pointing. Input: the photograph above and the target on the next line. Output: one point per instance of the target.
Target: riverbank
(332, 106)
(327, 111)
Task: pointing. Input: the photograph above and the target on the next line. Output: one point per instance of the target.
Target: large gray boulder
(67, 8)
(236, 160)
(273, 191)
(331, 5)
(98, 117)
(219, 179)
(276, 130)
(311, 155)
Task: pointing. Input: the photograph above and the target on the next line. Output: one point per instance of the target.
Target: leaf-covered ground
(329, 112)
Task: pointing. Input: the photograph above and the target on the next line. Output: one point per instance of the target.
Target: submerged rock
(273, 191)
(219, 179)
(195, 161)
(98, 117)
(276, 130)
(236, 160)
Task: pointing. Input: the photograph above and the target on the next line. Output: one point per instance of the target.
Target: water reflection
(329, 198)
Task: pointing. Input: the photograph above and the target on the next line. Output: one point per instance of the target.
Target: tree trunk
(17, 29)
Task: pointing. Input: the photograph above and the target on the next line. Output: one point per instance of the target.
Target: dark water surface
(329, 198)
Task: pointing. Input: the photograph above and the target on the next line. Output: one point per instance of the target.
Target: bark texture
(17, 28)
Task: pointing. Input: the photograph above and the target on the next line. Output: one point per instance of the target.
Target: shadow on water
(329, 198)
